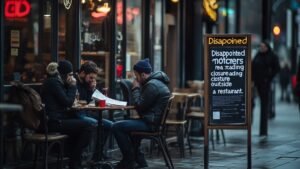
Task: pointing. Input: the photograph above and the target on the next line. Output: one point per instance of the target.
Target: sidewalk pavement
(279, 150)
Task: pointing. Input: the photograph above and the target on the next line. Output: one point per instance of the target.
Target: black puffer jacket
(57, 97)
(151, 99)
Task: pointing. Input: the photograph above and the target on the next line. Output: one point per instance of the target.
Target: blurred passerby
(264, 67)
(284, 79)
(297, 86)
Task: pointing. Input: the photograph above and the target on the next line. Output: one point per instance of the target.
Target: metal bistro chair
(34, 125)
(126, 86)
(196, 112)
(158, 135)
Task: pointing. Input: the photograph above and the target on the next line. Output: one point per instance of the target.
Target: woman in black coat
(58, 95)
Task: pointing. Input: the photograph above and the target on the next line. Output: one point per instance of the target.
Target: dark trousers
(79, 134)
(264, 95)
(121, 131)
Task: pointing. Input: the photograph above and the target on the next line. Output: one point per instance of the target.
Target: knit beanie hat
(65, 67)
(143, 66)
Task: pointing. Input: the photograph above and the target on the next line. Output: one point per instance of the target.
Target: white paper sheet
(97, 95)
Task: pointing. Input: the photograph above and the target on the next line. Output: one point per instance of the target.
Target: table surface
(188, 94)
(93, 107)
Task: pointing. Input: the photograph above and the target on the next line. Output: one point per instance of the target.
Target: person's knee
(89, 127)
(107, 124)
(116, 127)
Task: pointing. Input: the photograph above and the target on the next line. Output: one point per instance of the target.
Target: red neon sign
(17, 8)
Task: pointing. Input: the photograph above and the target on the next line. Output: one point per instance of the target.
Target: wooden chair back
(179, 107)
(165, 114)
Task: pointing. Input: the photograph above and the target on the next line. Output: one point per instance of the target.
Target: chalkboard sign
(227, 59)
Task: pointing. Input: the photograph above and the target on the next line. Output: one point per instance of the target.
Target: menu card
(97, 95)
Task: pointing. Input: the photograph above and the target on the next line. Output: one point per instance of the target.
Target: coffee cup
(101, 103)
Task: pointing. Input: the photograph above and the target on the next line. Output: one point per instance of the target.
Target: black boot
(125, 164)
(140, 160)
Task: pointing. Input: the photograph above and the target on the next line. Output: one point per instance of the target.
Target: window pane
(157, 32)
(96, 36)
(26, 58)
(134, 34)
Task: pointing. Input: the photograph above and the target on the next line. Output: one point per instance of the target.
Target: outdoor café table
(98, 154)
(5, 107)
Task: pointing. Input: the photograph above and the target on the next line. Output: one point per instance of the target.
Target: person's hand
(93, 84)
(71, 81)
(135, 84)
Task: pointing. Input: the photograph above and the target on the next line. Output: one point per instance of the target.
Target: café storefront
(113, 33)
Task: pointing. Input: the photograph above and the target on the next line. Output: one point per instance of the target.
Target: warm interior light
(83, 1)
(276, 30)
(103, 9)
(175, 1)
(48, 9)
(98, 14)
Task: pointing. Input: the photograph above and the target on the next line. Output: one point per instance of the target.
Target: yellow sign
(210, 7)
(228, 41)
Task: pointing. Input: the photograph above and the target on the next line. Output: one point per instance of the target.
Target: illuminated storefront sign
(210, 8)
(17, 8)
(68, 4)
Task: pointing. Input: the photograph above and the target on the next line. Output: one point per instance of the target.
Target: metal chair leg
(167, 151)
(36, 152)
(167, 160)
(161, 147)
(223, 136)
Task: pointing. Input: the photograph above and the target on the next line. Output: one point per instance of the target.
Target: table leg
(1, 142)
(98, 153)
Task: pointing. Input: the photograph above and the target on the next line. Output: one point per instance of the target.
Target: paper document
(97, 95)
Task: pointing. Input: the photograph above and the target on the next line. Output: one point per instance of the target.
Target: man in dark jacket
(150, 96)
(58, 95)
(86, 85)
(264, 67)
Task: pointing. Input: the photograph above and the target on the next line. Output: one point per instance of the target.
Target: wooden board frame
(225, 41)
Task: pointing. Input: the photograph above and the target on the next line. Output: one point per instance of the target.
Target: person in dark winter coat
(264, 67)
(285, 79)
(58, 95)
(297, 87)
(150, 96)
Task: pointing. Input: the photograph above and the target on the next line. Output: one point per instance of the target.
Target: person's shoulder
(50, 81)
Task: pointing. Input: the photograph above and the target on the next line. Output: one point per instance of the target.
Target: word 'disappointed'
(228, 41)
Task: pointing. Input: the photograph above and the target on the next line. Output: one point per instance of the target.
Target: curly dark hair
(89, 67)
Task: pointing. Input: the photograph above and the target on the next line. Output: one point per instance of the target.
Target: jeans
(122, 130)
(93, 121)
(107, 124)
